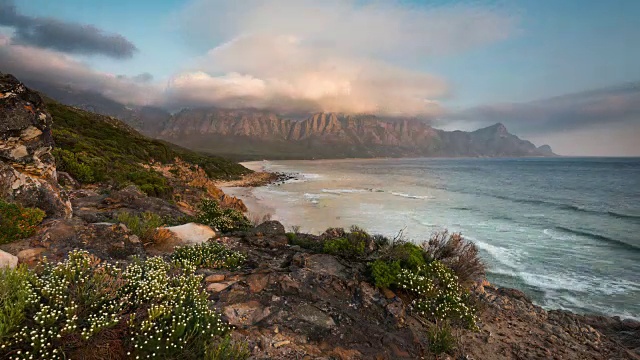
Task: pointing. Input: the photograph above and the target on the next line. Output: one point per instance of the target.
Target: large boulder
(192, 233)
(8, 260)
(27, 166)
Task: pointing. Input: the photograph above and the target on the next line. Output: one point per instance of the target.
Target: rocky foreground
(292, 303)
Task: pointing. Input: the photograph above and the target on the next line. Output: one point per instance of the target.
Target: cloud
(30, 63)
(333, 55)
(611, 105)
(280, 72)
(63, 36)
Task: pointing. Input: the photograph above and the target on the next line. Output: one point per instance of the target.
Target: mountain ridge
(249, 134)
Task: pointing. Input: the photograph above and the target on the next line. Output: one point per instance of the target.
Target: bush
(143, 225)
(458, 254)
(225, 220)
(344, 247)
(410, 256)
(385, 273)
(441, 339)
(15, 296)
(227, 349)
(438, 295)
(17, 222)
(70, 309)
(209, 255)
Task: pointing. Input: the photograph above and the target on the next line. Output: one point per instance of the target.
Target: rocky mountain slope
(262, 134)
(258, 134)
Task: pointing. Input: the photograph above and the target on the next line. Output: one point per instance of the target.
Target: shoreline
(257, 207)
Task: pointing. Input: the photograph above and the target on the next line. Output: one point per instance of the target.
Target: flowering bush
(209, 255)
(17, 222)
(210, 213)
(148, 309)
(438, 296)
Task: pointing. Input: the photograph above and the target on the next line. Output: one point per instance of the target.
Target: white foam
(508, 257)
(409, 196)
(343, 191)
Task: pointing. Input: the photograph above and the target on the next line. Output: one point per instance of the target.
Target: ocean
(566, 231)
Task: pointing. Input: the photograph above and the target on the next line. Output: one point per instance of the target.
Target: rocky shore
(285, 300)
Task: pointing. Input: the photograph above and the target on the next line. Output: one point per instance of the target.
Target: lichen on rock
(27, 166)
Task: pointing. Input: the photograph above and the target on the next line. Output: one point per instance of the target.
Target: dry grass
(257, 219)
(458, 254)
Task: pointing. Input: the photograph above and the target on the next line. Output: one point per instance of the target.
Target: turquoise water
(564, 230)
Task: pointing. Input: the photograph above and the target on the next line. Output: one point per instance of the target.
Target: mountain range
(260, 134)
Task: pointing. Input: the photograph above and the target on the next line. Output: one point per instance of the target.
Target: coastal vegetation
(17, 222)
(97, 149)
(140, 310)
(212, 214)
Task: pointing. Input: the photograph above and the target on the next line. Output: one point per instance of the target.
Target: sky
(563, 73)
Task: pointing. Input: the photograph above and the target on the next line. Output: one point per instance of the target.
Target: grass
(97, 149)
(17, 222)
(143, 225)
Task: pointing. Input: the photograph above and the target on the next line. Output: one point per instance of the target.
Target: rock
(192, 233)
(630, 324)
(8, 260)
(270, 228)
(281, 343)
(27, 166)
(246, 313)
(514, 294)
(257, 282)
(388, 293)
(324, 264)
(315, 316)
(218, 287)
(30, 256)
(214, 278)
(94, 207)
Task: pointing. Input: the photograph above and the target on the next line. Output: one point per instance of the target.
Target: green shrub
(225, 220)
(227, 349)
(345, 247)
(17, 222)
(142, 225)
(150, 308)
(306, 242)
(410, 256)
(15, 296)
(385, 273)
(441, 339)
(438, 295)
(208, 255)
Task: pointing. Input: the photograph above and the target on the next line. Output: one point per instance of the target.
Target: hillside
(99, 149)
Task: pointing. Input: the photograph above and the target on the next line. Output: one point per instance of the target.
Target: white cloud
(334, 55)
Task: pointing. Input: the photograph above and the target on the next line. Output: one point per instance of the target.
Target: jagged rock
(8, 260)
(27, 166)
(192, 233)
(94, 208)
(271, 227)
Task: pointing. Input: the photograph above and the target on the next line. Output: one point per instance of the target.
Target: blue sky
(559, 46)
(442, 58)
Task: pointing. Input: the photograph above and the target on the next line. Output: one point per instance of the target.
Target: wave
(409, 196)
(342, 191)
(556, 205)
(599, 237)
(462, 208)
(504, 256)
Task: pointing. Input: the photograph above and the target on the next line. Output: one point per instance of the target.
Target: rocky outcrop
(262, 134)
(8, 260)
(27, 166)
